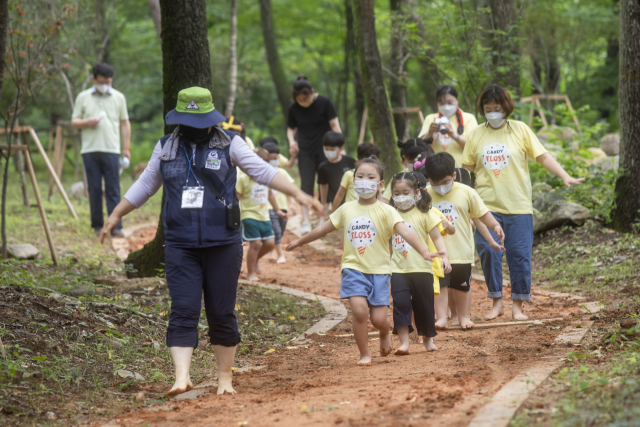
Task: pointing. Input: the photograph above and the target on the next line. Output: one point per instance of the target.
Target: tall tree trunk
(397, 85)
(185, 63)
(375, 93)
(357, 78)
(347, 71)
(4, 16)
(627, 211)
(156, 15)
(430, 80)
(275, 65)
(506, 51)
(233, 60)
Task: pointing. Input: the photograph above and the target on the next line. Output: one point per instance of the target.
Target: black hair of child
(373, 160)
(439, 166)
(367, 149)
(333, 139)
(412, 148)
(271, 148)
(422, 179)
(465, 177)
(104, 70)
(266, 140)
(424, 204)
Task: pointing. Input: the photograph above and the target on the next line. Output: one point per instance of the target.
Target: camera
(442, 121)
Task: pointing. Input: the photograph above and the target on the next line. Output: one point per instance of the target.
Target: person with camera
(196, 165)
(447, 130)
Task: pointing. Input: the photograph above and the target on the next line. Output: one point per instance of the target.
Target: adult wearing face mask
(457, 125)
(310, 117)
(196, 165)
(498, 152)
(101, 113)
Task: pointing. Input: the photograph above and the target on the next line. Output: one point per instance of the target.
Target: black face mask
(195, 135)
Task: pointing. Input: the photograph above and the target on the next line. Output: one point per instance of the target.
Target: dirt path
(319, 384)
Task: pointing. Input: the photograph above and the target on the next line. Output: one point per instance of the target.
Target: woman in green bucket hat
(196, 166)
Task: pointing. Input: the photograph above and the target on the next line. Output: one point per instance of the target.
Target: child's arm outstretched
(318, 232)
(338, 198)
(488, 220)
(438, 241)
(412, 238)
(487, 236)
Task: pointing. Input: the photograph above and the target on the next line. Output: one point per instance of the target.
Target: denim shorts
(375, 287)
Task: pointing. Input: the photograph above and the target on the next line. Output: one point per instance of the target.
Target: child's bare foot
(386, 346)
(257, 269)
(429, 345)
(413, 336)
(224, 383)
(253, 278)
(180, 386)
(455, 321)
(365, 360)
(516, 311)
(274, 254)
(496, 310)
(441, 325)
(401, 352)
(466, 323)
(449, 313)
(281, 260)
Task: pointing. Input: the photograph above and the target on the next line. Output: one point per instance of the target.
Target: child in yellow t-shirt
(461, 204)
(412, 279)
(255, 201)
(365, 150)
(283, 162)
(366, 270)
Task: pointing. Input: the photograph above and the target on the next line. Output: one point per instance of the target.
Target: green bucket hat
(195, 109)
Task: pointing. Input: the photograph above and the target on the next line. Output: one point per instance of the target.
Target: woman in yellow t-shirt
(412, 279)
(366, 270)
(457, 125)
(498, 152)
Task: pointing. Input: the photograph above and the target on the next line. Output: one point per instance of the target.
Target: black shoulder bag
(232, 210)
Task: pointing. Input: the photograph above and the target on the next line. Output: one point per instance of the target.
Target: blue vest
(198, 228)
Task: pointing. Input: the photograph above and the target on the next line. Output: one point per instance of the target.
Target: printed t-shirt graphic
(253, 198)
(467, 204)
(448, 210)
(367, 230)
(406, 259)
(361, 232)
(511, 192)
(496, 157)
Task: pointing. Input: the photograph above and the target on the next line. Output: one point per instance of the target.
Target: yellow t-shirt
(502, 171)
(459, 206)
(250, 143)
(281, 198)
(445, 142)
(254, 201)
(367, 230)
(282, 161)
(405, 259)
(347, 183)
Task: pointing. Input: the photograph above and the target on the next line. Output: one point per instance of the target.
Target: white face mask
(404, 202)
(495, 119)
(103, 88)
(443, 189)
(330, 154)
(447, 110)
(365, 188)
(275, 163)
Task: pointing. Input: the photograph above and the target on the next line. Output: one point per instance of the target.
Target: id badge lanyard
(192, 197)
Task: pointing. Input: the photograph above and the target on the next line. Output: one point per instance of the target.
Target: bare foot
(224, 383)
(281, 260)
(386, 346)
(180, 387)
(413, 336)
(274, 254)
(401, 352)
(449, 313)
(257, 269)
(429, 345)
(496, 310)
(466, 324)
(516, 311)
(441, 325)
(253, 278)
(455, 321)
(365, 360)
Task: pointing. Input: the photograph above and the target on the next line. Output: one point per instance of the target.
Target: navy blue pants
(98, 165)
(214, 270)
(413, 292)
(518, 242)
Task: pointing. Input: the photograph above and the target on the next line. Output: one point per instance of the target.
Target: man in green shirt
(101, 113)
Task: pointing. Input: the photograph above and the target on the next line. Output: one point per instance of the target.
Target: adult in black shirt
(331, 170)
(310, 117)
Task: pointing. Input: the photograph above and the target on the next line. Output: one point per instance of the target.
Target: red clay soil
(319, 384)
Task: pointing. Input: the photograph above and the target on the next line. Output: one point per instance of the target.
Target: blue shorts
(375, 287)
(253, 229)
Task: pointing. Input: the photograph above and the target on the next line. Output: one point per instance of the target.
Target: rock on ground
(610, 144)
(76, 190)
(551, 210)
(22, 251)
(608, 163)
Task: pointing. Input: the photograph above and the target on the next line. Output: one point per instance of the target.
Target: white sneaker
(305, 228)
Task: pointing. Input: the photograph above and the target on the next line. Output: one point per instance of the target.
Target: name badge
(192, 197)
(213, 161)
